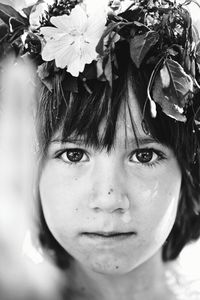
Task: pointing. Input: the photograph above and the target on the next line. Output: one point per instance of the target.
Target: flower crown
(79, 38)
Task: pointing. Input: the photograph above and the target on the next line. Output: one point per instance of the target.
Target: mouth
(108, 236)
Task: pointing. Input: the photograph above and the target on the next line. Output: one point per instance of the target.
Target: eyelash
(160, 156)
(60, 153)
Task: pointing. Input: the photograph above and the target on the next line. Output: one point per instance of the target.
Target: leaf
(180, 83)
(43, 71)
(27, 10)
(15, 24)
(108, 30)
(70, 84)
(198, 52)
(168, 107)
(197, 118)
(141, 44)
(90, 71)
(33, 42)
(172, 89)
(7, 12)
(4, 31)
(172, 52)
(108, 70)
(195, 33)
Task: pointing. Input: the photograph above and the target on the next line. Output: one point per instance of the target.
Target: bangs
(76, 115)
(80, 115)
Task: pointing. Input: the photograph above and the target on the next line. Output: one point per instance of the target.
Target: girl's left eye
(73, 156)
(148, 157)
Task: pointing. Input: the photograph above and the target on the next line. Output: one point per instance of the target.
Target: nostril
(108, 201)
(96, 209)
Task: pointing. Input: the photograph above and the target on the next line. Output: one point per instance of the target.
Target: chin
(111, 265)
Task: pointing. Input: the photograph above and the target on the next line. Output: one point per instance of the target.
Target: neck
(145, 282)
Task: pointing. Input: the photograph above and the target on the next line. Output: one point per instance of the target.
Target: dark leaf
(17, 34)
(7, 12)
(198, 66)
(141, 44)
(198, 52)
(141, 25)
(43, 71)
(100, 45)
(197, 118)
(4, 31)
(70, 84)
(43, 74)
(15, 24)
(172, 52)
(108, 70)
(33, 43)
(48, 82)
(90, 71)
(131, 15)
(27, 10)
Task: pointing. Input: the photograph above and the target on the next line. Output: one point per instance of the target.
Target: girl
(117, 119)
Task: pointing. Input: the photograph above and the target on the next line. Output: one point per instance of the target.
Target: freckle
(76, 209)
(111, 191)
(117, 267)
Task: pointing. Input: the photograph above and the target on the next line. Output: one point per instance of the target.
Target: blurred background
(42, 279)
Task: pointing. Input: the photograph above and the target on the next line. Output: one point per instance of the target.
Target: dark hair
(81, 114)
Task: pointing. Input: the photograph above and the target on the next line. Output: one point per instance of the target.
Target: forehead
(126, 126)
(130, 116)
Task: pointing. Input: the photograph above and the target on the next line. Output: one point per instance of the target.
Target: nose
(108, 188)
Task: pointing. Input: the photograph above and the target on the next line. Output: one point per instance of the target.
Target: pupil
(75, 155)
(144, 156)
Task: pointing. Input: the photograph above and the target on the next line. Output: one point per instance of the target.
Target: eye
(73, 156)
(146, 156)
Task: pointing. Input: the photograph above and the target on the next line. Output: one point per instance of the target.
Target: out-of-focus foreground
(20, 276)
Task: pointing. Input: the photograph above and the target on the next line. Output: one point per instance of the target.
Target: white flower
(38, 11)
(73, 40)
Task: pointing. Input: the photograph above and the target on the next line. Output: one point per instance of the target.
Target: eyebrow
(142, 141)
(68, 140)
(139, 142)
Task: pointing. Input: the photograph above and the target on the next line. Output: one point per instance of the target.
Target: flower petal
(51, 33)
(76, 67)
(52, 48)
(88, 53)
(95, 29)
(76, 20)
(66, 56)
(95, 6)
(79, 18)
(96, 22)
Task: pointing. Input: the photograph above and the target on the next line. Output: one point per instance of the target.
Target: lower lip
(108, 238)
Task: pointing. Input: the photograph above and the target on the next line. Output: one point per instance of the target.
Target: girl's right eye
(73, 156)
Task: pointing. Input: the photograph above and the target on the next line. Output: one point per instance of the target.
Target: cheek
(63, 198)
(158, 204)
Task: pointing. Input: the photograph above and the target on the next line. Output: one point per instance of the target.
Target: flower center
(75, 32)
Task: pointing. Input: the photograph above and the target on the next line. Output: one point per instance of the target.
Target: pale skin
(131, 191)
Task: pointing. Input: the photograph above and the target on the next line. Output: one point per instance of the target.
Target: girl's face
(111, 211)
